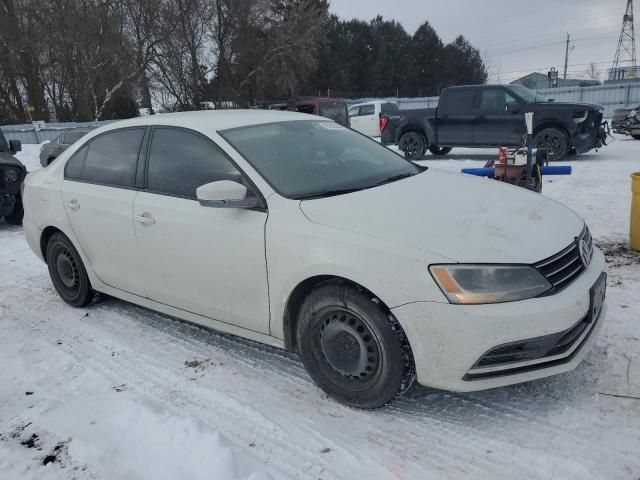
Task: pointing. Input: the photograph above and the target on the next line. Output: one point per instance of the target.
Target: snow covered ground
(117, 391)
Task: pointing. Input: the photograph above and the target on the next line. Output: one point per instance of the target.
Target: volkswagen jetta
(294, 231)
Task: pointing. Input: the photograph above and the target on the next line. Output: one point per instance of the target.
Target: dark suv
(12, 173)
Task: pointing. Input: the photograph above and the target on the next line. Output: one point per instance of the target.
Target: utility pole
(566, 59)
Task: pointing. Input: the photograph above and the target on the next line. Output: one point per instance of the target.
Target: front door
(205, 260)
(98, 194)
(499, 124)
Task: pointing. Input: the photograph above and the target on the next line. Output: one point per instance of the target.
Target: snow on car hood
(458, 216)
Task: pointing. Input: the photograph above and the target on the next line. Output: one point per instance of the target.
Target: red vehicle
(333, 108)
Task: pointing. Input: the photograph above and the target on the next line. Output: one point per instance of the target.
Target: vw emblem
(585, 253)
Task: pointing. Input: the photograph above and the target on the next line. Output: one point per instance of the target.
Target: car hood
(457, 216)
(569, 105)
(7, 158)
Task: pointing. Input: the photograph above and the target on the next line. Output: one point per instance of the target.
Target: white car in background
(365, 117)
(297, 232)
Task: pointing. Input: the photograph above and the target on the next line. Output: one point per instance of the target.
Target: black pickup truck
(493, 116)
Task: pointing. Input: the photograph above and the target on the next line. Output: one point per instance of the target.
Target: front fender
(297, 249)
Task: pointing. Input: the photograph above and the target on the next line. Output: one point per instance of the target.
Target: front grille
(565, 266)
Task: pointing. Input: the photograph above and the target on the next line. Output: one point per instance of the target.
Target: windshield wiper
(329, 193)
(392, 179)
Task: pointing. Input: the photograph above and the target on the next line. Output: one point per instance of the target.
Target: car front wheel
(352, 348)
(554, 141)
(67, 271)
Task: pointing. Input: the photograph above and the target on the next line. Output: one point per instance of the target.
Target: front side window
(112, 158)
(181, 161)
(304, 159)
(495, 100)
(529, 96)
(354, 111)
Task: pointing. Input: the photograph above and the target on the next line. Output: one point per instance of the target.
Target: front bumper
(593, 138)
(448, 340)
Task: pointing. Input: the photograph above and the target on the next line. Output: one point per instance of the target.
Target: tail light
(384, 121)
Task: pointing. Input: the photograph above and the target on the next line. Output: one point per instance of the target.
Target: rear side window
(112, 158)
(73, 168)
(367, 110)
(71, 137)
(335, 111)
(458, 101)
(181, 161)
(389, 107)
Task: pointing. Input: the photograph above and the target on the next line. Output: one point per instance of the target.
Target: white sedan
(291, 230)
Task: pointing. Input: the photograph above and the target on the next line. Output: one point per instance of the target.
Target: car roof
(372, 102)
(211, 121)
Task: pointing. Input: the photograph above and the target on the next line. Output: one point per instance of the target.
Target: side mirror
(513, 107)
(225, 194)
(15, 145)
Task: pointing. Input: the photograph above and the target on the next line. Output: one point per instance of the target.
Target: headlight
(475, 284)
(11, 175)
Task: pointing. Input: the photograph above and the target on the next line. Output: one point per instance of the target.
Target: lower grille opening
(532, 349)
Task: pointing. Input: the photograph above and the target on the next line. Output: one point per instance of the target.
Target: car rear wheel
(67, 271)
(352, 348)
(439, 150)
(414, 145)
(15, 217)
(554, 141)
(637, 137)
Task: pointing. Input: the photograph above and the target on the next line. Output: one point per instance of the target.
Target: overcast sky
(514, 36)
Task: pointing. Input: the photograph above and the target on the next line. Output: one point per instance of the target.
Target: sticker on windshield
(332, 126)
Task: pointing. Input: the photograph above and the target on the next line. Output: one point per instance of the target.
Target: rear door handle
(74, 205)
(145, 219)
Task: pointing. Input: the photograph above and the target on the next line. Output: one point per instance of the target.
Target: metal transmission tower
(626, 51)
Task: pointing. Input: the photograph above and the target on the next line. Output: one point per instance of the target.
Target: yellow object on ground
(634, 236)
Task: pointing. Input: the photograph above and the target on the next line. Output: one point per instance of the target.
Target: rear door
(496, 124)
(98, 192)
(456, 116)
(204, 260)
(369, 121)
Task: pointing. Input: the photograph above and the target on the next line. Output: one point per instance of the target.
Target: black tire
(636, 137)
(352, 348)
(67, 271)
(413, 145)
(15, 217)
(49, 160)
(555, 141)
(439, 150)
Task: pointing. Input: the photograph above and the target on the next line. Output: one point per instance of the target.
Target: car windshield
(528, 95)
(306, 159)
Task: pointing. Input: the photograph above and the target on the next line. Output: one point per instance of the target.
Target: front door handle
(145, 219)
(74, 205)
